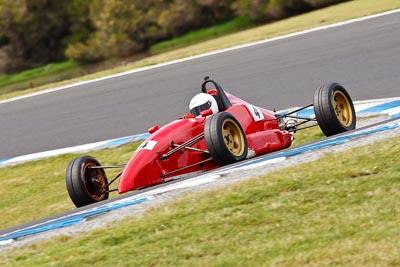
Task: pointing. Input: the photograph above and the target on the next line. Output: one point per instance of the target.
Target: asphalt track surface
(363, 56)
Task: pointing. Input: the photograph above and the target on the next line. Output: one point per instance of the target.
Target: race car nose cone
(142, 170)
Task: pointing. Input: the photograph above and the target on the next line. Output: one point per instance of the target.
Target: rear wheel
(334, 109)
(225, 138)
(85, 184)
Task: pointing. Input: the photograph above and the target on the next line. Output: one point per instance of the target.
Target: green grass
(341, 210)
(37, 76)
(336, 13)
(192, 37)
(36, 72)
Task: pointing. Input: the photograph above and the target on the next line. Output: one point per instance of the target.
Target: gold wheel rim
(233, 137)
(342, 108)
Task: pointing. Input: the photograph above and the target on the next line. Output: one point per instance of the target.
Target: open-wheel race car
(220, 129)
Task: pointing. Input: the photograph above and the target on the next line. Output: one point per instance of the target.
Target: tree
(35, 32)
(125, 27)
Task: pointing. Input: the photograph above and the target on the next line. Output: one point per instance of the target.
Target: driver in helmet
(201, 102)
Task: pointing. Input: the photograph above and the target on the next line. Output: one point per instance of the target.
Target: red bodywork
(146, 166)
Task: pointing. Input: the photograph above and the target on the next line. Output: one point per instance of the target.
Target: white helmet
(202, 102)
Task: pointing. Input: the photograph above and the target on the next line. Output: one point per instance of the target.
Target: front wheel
(86, 184)
(225, 138)
(334, 109)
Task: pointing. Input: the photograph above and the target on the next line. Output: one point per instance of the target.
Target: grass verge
(200, 35)
(342, 209)
(336, 13)
(38, 76)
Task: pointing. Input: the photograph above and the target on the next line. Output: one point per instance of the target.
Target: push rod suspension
(113, 180)
(300, 118)
(293, 111)
(194, 149)
(188, 143)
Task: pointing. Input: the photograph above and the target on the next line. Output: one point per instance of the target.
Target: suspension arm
(300, 118)
(293, 111)
(193, 149)
(188, 143)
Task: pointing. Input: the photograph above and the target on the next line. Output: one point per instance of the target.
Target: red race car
(220, 129)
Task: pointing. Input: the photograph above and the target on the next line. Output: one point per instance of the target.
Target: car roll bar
(221, 93)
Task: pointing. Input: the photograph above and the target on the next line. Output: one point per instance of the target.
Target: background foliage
(35, 32)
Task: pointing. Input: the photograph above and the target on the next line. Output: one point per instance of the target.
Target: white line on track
(201, 55)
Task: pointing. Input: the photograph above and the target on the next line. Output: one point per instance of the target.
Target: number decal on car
(255, 112)
(148, 145)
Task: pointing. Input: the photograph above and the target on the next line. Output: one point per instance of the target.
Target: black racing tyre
(225, 138)
(86, 185)
(334, 109)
